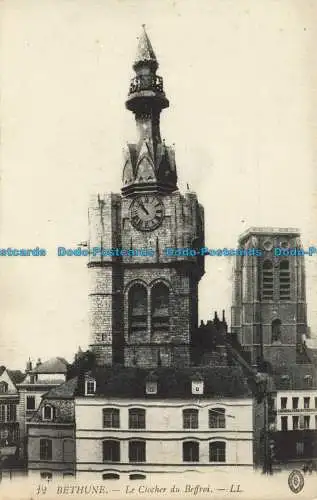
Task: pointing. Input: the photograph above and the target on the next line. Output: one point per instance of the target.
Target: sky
(241, 77)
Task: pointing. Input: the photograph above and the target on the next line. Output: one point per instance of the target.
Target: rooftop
(270, 231)
(129, 382)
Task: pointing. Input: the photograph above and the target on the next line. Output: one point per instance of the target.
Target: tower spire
(149, 164)
(145, 52)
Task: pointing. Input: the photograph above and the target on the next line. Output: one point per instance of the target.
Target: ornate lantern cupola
(149, 164)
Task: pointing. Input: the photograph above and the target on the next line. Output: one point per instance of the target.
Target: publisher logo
(296, 481)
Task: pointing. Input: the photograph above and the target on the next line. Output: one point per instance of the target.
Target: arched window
(190, 451)
(217, 418)
(160, 308)
(285, 281)
(111, 451)
(217, 451)
(110, 475)
(267, 280)
(190, 419)
(137, 476)
(276, 330)
(138, 309)
(111, 418)
(47, 412)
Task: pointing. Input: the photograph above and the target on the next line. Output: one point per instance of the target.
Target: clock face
(146, 212)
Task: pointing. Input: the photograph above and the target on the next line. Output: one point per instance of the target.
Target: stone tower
(144, 308)
(269, 302)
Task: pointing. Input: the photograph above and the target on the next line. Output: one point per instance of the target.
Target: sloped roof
(129, 382)
(16, 376)
(296, 377)
(63, 391)
(53, 365)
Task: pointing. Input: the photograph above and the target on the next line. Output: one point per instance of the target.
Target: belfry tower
(269, 311)
(144, 308)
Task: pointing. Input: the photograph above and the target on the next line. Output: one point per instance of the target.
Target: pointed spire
(145, 52)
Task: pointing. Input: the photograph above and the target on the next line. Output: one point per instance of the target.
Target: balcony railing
(146, 82)
(296, 410)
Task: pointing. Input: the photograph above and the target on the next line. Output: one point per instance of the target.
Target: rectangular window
(111, 418)
(111, 451)
(137, 451)
(295, 423)
(315, 402)
(306, 421)
(2, 413)
(217, 452)
(217, 418)
(45, 449)
(315, 421)
(11, 413)
(284, 423)
(306, 403)
(299, 448)
(190, 451)
(283, 403)
(30, 402)
(295, 403)
(136, 418)
(190, 419)
(90, 387)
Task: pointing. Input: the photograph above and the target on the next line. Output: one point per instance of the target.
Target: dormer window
(47, 412)
(151, 384)
(197, 385)
(151, 387)
(308, 380)
(3, 387)
(90, 387)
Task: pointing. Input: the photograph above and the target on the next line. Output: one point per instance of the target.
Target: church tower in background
(144, 308)
(269, 311)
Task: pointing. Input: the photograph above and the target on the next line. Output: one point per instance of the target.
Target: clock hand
(143, 208)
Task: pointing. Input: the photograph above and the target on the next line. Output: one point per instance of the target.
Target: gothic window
(276, 330)
(45, 449)
(137, 452)
(160, 308)
(47, 412)
(111, 451)
(190, 419)
(136, 418)
(190, 451)
(111, 418)
(217, 418)
(267, 280)
(217, 451)
(285, 281)
(138, 309)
